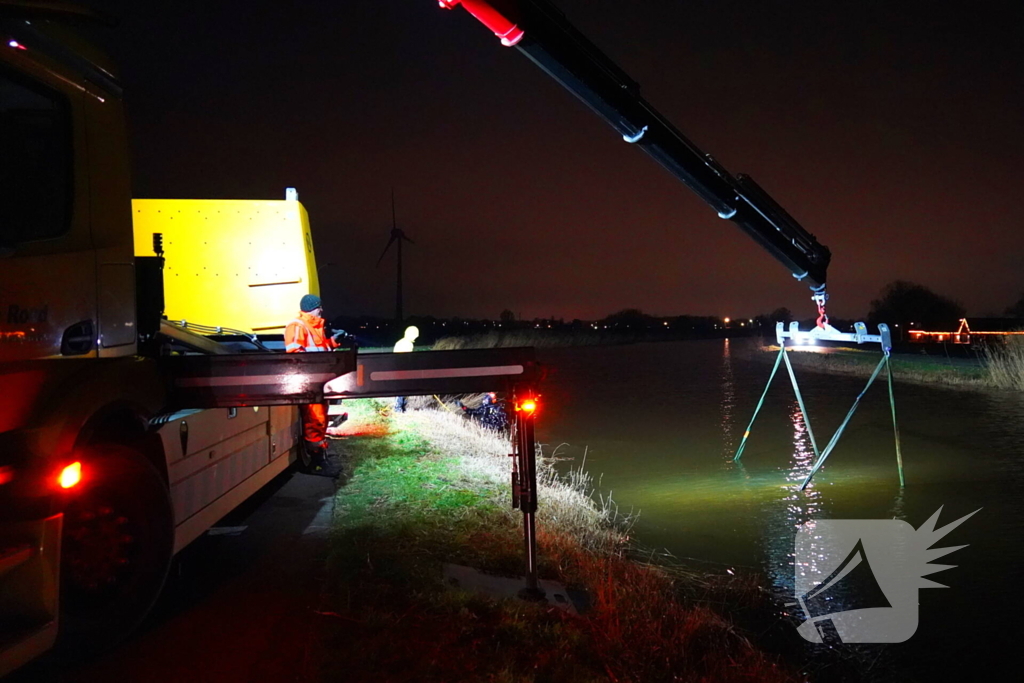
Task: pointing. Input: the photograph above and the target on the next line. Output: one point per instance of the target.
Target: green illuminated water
(660, 424)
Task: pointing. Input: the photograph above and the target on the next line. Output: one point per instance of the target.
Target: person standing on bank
(405, 345)
(305, 334)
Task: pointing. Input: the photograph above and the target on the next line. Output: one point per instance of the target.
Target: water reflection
(802, 459)
(792, 508)
(898, 509)
(727, 406)
(669, 455)
(1002, 419)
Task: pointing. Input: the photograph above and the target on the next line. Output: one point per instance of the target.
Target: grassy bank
(861, 363)
(426, 488)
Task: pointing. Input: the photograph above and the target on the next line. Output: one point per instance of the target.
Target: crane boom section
(542, 33)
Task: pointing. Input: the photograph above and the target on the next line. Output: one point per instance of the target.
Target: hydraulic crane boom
(541, 32)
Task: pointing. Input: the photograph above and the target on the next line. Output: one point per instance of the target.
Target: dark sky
(890, 130)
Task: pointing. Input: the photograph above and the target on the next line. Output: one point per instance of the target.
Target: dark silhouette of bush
(629, 319)
(902, 303)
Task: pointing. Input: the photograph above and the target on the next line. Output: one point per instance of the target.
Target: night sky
(891, 130)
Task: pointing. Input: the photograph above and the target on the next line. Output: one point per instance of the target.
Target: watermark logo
(857, 579)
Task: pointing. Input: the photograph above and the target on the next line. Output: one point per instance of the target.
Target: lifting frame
(826, 332)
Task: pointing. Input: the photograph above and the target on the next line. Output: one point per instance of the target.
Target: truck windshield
(35, 161)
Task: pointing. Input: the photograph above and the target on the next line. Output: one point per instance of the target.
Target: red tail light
(70, 476)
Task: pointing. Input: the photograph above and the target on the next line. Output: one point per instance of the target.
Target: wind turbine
(397, 236)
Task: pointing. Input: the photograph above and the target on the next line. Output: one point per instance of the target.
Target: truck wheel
(303, 459)
(117, 544)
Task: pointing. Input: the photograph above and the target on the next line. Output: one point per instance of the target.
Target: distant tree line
(629, 323)
(899, 303)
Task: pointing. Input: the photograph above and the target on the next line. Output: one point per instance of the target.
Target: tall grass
(1005, 364)
(565, 503)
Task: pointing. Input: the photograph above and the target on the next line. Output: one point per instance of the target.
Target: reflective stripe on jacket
(306, 334)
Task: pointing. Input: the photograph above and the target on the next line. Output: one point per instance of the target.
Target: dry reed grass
(1005, 364)
(564, 504)
(656, 623)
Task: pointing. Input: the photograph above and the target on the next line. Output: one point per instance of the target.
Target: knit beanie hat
(309, 302)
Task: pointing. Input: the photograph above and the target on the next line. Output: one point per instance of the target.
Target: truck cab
(124, 435)
(67, 288)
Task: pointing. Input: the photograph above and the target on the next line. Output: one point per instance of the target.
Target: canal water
(659, 424)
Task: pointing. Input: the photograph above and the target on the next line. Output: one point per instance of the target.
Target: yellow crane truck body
(238, 264)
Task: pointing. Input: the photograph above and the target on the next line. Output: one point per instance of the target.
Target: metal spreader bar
(828, 333)
(825, 332)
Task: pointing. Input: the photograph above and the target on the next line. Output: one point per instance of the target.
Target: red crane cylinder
(504, 28)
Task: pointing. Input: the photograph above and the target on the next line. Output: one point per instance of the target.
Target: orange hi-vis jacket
(306, 333)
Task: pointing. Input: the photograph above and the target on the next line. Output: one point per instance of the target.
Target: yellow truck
(237, 264)
(120, 440)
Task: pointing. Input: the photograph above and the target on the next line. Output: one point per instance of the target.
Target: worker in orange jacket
(305, 334)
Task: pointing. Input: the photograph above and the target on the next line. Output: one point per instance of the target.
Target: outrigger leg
(524, 485)
(511, 370)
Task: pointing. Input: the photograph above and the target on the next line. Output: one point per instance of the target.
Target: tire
(116, 548)
(303, 459)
